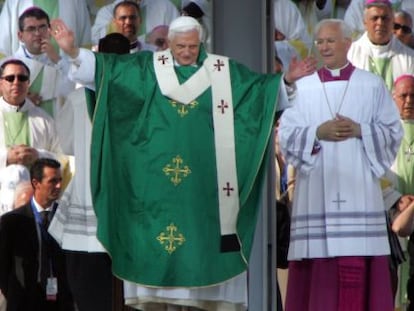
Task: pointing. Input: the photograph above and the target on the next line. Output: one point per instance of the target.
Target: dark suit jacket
(19, 264)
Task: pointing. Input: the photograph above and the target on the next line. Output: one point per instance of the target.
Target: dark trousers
(90, 280)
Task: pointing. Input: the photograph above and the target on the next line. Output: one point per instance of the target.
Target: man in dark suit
(32, 265)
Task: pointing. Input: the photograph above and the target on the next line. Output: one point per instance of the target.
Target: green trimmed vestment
(153, 172)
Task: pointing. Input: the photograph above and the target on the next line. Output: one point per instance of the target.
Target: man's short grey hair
(184, 24)
(366, 9)
(403, 14)
(345, 29)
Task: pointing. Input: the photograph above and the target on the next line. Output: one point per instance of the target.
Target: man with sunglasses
(26, 131)
(378, 50)
(403, 24)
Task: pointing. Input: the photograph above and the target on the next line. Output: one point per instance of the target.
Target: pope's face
(185, 47)
(403, 95)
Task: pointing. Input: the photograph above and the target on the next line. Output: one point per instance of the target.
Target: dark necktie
(44, 215)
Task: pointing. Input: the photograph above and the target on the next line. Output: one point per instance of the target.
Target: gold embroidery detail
(176, 170)
(170, 239)
(183, 109)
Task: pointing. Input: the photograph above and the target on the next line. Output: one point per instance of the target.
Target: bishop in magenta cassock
(341, 134)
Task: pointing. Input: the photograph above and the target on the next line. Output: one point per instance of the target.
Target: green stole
(382, 67)
(35, 88)
(153, 172)
(51, 7)
(405, 160)
(16, 128)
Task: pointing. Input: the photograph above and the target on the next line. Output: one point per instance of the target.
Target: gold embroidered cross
(170, 239)
(183, 109)
(176, 170)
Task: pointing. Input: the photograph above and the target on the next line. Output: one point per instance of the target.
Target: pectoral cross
(408, 153)
(338, 200)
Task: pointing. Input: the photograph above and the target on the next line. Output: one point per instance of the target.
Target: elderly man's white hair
(345, 29)
(184, 24)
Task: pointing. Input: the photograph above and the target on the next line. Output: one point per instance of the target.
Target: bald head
(403, 95)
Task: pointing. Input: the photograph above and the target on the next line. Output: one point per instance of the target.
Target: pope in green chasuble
(154, 179)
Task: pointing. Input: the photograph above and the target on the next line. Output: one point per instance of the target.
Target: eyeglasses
(405, 29)
(12, 78)
(42, 29)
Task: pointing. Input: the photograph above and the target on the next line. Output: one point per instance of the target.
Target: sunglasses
(405, 29)
(20, 78)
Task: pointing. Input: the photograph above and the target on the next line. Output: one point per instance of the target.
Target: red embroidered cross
(223, 105)
(163, 59)
(218, 65)
(228, 189)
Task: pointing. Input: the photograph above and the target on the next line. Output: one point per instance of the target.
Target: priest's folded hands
(22, 154)
(338, 129)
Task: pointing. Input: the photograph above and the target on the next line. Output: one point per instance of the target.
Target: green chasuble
(153, 172)
(405, 160)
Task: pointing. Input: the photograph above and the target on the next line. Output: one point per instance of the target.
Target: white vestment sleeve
(82, 70)
(382, 136)
(297, 140)
(64, 84)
